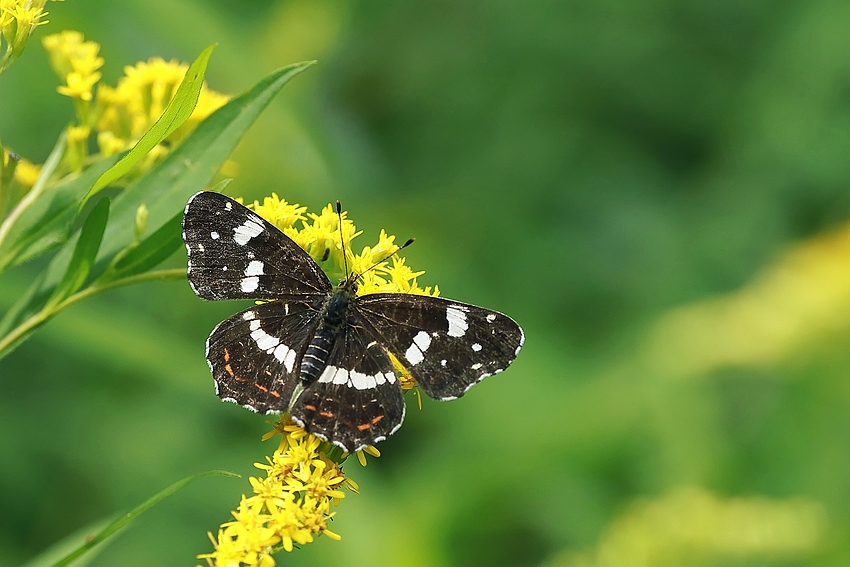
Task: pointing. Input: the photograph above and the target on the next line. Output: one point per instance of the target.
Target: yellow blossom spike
(290, 506)
(76, 62)
(18, 20)
(26, 173)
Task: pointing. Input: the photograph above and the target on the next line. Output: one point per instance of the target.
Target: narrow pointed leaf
(124, 519)
(175, 114)
(84, 254)
(150, 251)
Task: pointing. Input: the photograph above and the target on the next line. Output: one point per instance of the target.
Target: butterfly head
(349, 284)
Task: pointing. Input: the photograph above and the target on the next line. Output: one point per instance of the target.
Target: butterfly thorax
(332, 319)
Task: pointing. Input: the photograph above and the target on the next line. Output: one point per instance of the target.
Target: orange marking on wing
(229, 369)
(325, 413)
(376, 419)
(275, 393)
(310, 407)
(364, 426)
(240, 379)
(261, 387)
(226, 355)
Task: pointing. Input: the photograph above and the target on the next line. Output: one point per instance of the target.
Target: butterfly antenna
(341, 238)
(399, 249)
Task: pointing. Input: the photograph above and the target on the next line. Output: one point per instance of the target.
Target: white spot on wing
(228, 205)
(457, 321)
(422, 340)
(214, 235)
(264, 340)
(255, 324)
(476, 366)
(521, 342)
(245, 232)
(476, 347)
(289, 363)
(341, 376)
(328, 373)
(362, 381)
(413, 355)
(491, 317)
(280, 352)
(250, 284)
(442, 362)
(416, 352)
(249, 315)
(255, 268)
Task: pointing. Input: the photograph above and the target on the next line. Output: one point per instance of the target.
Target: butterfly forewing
(447, 346)
(357, 400)
(235, 254)
(255, 355)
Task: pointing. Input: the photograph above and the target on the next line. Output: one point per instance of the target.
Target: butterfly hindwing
(447, 346)
(235, 254)
(357, 400)
(255, 355)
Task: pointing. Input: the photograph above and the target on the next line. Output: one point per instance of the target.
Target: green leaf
(176, 113)
(44, 217)
(84, 254)
(164, 189)
(149, 252)
(116, 525)
(68, 544)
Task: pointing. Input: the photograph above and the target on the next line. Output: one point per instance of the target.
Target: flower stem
(8, 342)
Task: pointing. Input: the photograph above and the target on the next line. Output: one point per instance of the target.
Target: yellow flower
(321, 239)
(278, 212)
(18, 21)
(76, 62)
(291, 505)
(26, 173)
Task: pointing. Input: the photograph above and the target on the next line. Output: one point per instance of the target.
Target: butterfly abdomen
(333, 317)
(316, 356)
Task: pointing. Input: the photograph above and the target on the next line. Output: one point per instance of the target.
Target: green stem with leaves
(29, 325)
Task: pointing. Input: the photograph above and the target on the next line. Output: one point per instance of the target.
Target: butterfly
(320, 351)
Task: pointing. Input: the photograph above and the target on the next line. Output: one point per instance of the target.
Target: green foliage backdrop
(657, 191)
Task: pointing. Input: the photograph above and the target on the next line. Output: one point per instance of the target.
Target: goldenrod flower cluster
(291, 505)
(303, 477)
(18, 20)
(119, 115)
(75, 61)
(320, 236)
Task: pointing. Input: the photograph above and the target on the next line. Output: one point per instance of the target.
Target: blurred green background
(656, 190)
